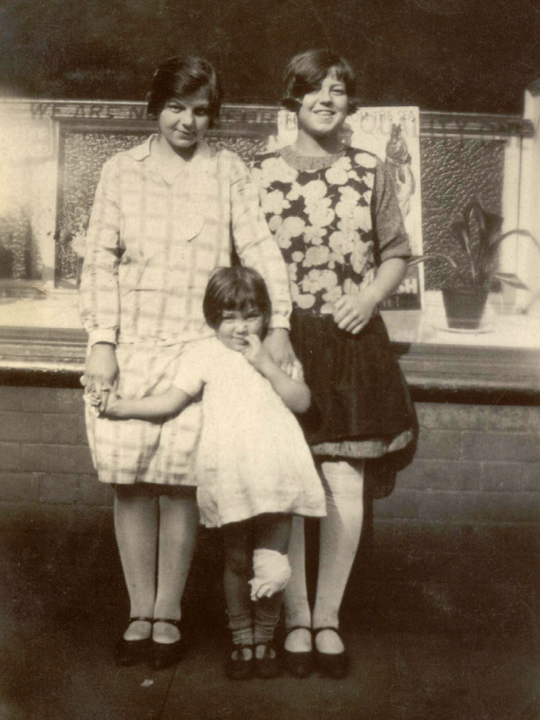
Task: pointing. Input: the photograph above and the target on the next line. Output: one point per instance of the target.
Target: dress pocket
(187, 224)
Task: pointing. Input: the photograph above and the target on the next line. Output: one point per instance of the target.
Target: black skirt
(358, 389)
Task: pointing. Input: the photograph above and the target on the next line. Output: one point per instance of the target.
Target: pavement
(436, 637)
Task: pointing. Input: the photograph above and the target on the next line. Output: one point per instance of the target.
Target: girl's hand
(113, 408)
(257, 355)
(353, 312)
(279, 346)
(101, 373)
(93, 401)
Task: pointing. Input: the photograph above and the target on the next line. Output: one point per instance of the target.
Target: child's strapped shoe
(239, 664)
(268, 665)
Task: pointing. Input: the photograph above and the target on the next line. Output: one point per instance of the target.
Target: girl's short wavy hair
(236, 288)
(307, 70)
(180, 77)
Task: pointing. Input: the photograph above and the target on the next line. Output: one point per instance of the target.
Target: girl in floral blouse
(334, 212)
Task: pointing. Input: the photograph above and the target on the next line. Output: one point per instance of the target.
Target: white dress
(252, 457)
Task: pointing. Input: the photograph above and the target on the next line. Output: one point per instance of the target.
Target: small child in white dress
(254, 470)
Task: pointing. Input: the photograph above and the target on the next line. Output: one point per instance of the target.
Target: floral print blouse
(335, 224)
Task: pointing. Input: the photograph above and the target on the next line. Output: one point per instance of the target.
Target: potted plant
(478, 234)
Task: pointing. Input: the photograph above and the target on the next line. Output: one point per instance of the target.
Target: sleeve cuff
(279, 321)
(104, 336)
(404, 253)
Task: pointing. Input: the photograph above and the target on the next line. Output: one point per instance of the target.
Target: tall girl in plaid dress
(335, 215)
(161, 222)
(254, 469)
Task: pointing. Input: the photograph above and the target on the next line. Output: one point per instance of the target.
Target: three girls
(159, 227)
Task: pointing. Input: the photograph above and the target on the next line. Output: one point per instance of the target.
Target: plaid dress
(152, 243)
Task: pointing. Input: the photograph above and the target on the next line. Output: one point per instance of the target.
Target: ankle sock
(241, 627)
(267, 611)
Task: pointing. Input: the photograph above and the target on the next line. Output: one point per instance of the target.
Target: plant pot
(464, 306)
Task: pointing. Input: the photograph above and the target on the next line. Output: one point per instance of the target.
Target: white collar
(142, 151)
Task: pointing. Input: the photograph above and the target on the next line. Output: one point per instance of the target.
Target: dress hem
(299, 512)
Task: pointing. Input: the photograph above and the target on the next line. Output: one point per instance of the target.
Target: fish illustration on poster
(392, 133)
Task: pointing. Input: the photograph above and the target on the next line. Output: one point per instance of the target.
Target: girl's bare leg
(238, 548)
(273, 533)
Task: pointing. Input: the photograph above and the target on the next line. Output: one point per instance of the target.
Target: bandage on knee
(272, 573)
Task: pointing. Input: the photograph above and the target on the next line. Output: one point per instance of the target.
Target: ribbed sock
(241, 627)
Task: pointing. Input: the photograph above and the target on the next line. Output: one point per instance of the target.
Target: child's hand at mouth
(257, 355)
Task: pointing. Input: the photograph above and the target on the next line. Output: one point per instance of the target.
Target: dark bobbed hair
(180, 77)
(236, 288)
(308, 69)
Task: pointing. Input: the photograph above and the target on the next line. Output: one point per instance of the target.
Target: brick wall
(457, 541)
(475, 463)
(44, 456)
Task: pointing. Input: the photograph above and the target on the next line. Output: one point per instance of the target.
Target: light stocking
(178, 522)
(297, 612)
(136, 526)
(339, 539)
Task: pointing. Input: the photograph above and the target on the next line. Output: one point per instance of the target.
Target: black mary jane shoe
(268, 666)
(165, 655)
(330, 664)
(132, 652)
(298, 664)
(239, 667)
